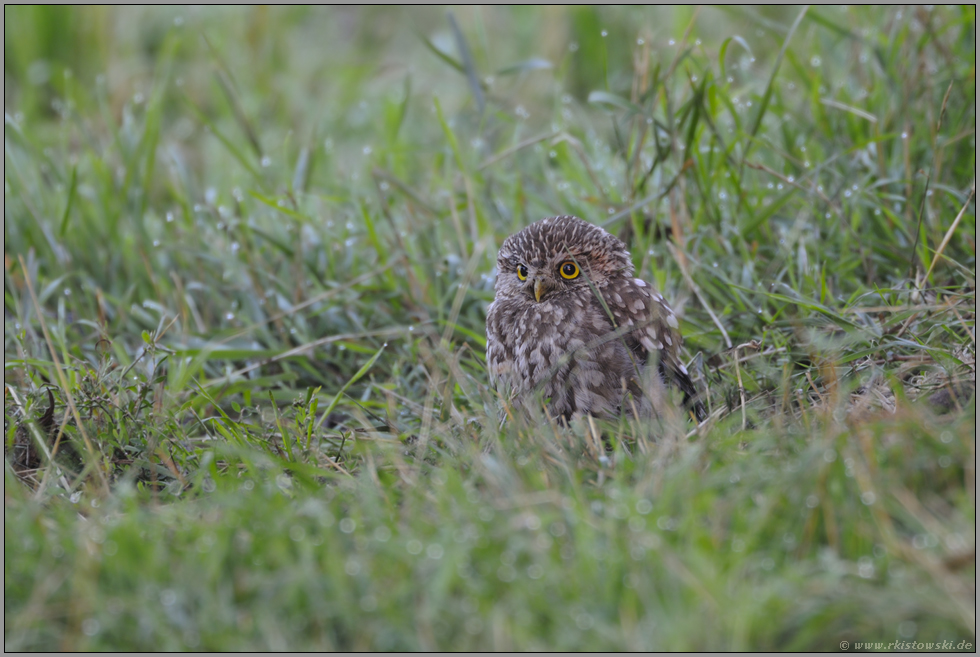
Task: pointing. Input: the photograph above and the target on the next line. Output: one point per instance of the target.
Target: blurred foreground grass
(248, 253)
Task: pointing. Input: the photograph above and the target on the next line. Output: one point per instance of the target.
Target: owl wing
(497, 354)
(634, 302)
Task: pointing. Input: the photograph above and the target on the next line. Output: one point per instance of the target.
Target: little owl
(569, 322)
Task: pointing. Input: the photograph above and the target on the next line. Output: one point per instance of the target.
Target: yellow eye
(522, 272)
(568, 270)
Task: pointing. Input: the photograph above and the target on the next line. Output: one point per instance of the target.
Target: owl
(570, 323)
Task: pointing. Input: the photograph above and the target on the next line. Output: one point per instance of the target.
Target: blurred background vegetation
(248, 254)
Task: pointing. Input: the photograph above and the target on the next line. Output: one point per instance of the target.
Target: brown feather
(586, 340)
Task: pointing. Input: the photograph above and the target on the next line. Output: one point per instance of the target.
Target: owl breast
(549, 352)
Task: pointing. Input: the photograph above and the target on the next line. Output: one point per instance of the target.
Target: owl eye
(568, 270)
(522, 272)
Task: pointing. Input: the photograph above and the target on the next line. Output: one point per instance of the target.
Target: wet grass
(249, 253)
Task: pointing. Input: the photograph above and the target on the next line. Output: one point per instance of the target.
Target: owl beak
(540, 287)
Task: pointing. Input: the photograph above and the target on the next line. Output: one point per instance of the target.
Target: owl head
(558, 255)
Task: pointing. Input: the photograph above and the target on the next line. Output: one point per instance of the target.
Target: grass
(249, 252)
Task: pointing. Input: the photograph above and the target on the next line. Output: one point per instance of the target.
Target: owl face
(556, 257)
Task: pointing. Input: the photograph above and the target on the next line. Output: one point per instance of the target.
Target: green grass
(249, 253)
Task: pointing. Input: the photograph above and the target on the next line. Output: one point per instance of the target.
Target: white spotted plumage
(580, 344)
